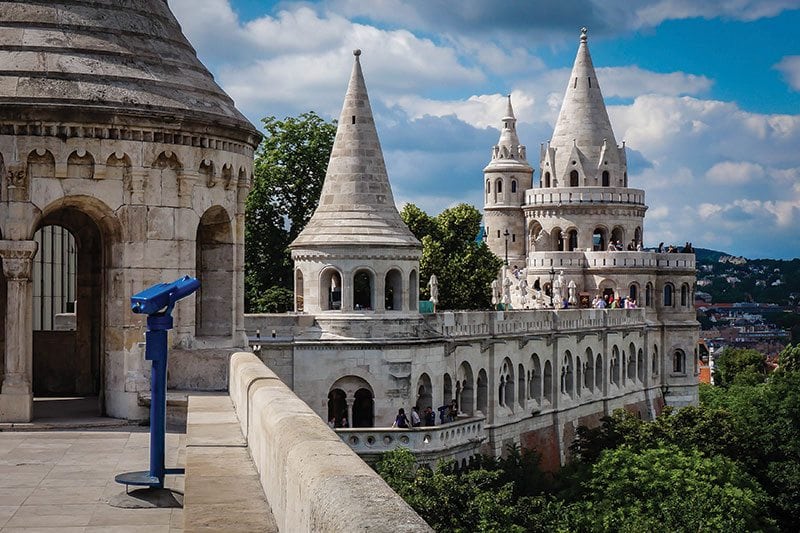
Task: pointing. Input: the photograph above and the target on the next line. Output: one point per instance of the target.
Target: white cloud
(735, 173)
(654, 13)
(481, 111)
(789, 66)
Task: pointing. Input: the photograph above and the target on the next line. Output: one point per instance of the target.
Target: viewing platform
(583, 195)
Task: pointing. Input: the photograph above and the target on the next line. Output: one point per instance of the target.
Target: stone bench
(222, 487)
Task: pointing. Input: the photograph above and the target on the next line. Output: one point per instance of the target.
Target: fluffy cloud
(735, 173)
(789, 66)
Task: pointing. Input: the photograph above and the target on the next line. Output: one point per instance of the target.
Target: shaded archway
(600, 239)
(413, 291)
(362, 290)
(337, 407)
(67, 308)
(424, 392)
(215, 252)
(640, 365)
(547, 382)
(678, 362)
(598, 373)
(393, 291)
(535, 388)
(298, 290)
(588, 371)
(330, 289)
(567, 374)
(363, 409)
(466, 399)
(614, 366)
(482, 391)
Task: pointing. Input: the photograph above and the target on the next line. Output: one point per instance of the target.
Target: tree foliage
(464, 268)
(289, 172)
(739, 365)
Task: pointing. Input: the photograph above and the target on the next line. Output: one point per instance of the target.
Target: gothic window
(513, 185)
(499, 186)
(547, 179)
(648, 295)
(633, 291)
(488, 186)
(606, 178)
(599, 243)
(573, 178)
(625, 179)
(668, 290)
(679, 362)
(684, 295)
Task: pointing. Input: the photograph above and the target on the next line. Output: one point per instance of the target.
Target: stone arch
(572, 239)
(498, 190)
(393, 290)
(360, 401)
(507, 383)
(648, 295)
(588, 371)
(41, 164)
(656, 362)
(631, 362)
(557, 239)
(118, 167)
(607, 288)
(337, 408)
(600, 239)
(330, 289)
(547, 382)
(413, 291)
(567, 379)
(447, 389)
(598, 373)
(637, 235)
(363, 283)
(161, 186)
(214, 267)
(227, 175)
(80, 165)
(535, 234)
(68, 361)
(207, 171)
(241, 180)
(482, 391)
(606, 179)
(298, 290)
(574, 178)
(521, 385)
(618, 235)
(669, 295)
(424, 392)
(640, 365)
(536, 379)
(678, 362)
(633, 291)
(547, 179)
(466, 399)
(614, 364)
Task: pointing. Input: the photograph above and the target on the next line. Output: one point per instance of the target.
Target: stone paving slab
(60, 481)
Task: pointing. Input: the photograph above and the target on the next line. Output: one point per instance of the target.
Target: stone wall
(308, 474)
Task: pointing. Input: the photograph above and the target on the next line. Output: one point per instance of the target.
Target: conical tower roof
(123, 61)
(583, 119)
(356, 206)
(508, 153)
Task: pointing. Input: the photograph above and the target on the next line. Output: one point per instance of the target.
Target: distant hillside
(704, 255)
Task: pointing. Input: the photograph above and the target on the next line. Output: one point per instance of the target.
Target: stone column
(16, 394)
(350, 412)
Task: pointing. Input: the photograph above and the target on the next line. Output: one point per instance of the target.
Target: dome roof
(72, 60)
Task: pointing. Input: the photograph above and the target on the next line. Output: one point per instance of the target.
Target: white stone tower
(506, 178)
(356, 254)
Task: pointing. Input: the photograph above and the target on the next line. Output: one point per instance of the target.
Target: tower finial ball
(584, 31)
(357, 52)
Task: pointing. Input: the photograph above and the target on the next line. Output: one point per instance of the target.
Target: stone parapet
(583, 195)
(454, 441)
(312, 480)
(606, 260)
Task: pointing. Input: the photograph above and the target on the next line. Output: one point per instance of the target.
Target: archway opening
(606, 178)
(393, 291)
(482, 391)
(466, 402)
(572, 241)
(337, 408)
(330, 290)
(215, 251)
(67, 311)
(618, 236)
(363, 409)
(298, 290)
(547, 179)
(573, 178)
(413, 291)
(424, 392)
(536, 379)
(362, 290)
(599, 240)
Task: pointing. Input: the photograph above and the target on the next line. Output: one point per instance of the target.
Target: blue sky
(705, 94)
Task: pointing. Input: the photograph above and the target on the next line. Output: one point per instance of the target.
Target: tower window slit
(354, 119)
(590, 81)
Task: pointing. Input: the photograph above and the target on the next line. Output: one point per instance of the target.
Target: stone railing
(430, 443)
(312, 480)
(584, 195)
(589, 260)
(539, 321)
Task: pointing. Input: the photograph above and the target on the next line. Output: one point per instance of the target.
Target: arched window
(362, 290)
(625, 179)
(521, 385)
(507, 382)
(330, 290)
(466, 388)
(668, 290)
(513, 185)
(424, 392)
(578, 375)
(614, 366)
(679, 362)
(599, 243)
(656, 362)
(298, 290)
(648, 295)
(536, 379)
(573, 178)
(547, 179)
(215, 252)
(499, 186)
(483, 391)
(547, 381)
(588, 370)
(566, 375)
(633, 291)
(447, 390)
(393, 291)
(640, 365)
(631, 362)
(684, 295)
(488, 186)
(572, 243)
(413, 291)
(598, 373)
(606, 178)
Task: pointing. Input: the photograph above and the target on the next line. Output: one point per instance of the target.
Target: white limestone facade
(112, 129)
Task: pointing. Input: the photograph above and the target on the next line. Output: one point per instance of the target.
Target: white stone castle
(358, 350)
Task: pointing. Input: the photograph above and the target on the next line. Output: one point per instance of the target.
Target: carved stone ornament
(16, 176)
(18, 258)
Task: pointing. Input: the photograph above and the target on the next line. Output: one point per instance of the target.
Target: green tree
(669, 489)
(739, 365)
(289, 171)
(464, 268)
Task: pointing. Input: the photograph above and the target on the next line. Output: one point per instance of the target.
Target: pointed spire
(356, 206)
(509, 111)
(583, 117)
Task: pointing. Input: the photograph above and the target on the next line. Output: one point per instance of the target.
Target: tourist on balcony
(415, 421)
(430, 417)
(401, 421)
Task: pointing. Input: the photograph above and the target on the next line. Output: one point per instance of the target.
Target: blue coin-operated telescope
(157, 303)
